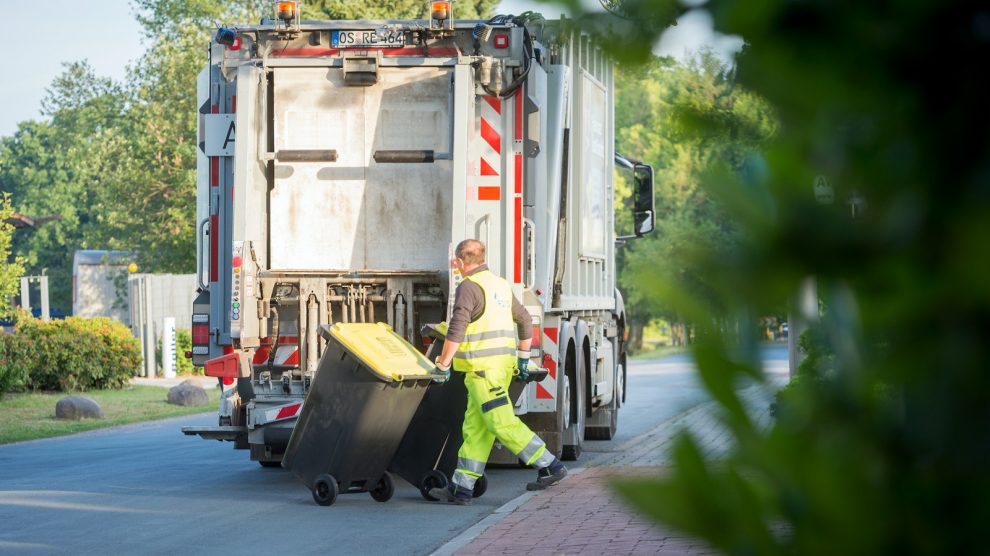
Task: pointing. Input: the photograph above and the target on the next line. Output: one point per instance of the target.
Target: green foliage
(71, 354)
(15, 351)
(659, 109)
(56, 168)
(183, 343)
(889, 456)
(395, 9)
(13, 266)
(30, 415)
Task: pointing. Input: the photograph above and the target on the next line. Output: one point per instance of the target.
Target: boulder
(78, 407)
(189, 393)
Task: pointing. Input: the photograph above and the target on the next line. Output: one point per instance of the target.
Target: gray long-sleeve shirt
(469, 304)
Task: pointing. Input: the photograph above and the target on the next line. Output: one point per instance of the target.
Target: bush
(15, 352)
(183, 343)
(74, 354)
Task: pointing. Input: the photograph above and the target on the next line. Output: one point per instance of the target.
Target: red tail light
(201, 334)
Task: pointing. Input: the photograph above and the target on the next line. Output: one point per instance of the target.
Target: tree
(397, 9)
(52, 168)
(884, 451)
(13, 268)
(658, 107)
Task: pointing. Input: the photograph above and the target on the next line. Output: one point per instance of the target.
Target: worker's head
(470, 253)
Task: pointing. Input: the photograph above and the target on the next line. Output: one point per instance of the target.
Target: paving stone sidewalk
(582, 515)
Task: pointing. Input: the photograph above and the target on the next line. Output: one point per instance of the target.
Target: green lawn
(662, 351)
(31, 415)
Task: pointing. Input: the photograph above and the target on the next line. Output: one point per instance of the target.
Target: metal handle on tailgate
(202, 252)
(488, 229)
(307, 155)
(404, 157)
(530, 253)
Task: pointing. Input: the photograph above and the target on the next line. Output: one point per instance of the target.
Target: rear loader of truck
(340, 162)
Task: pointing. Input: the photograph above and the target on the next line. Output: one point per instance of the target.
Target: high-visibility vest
(490, 341)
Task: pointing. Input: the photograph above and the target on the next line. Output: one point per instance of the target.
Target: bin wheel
(433, 479)
(480, 487)
(385, 488)
(325, 490)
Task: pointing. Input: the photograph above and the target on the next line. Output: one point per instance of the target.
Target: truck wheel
(605, 433)
(433, 479)
(575, 425)
(480, 487)
(608, 432)
(325, 490)
(385, 488)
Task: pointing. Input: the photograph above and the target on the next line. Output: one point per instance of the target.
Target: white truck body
(335, 180)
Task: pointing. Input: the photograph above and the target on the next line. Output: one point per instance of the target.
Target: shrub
(78, 353)
(15, 352)
(183, 343)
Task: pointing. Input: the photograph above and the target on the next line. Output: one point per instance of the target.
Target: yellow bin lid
(384, 352)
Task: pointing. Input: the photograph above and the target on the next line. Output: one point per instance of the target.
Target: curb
(491, 520)
(494, 518)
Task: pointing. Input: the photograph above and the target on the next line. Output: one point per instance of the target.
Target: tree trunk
(635, 342)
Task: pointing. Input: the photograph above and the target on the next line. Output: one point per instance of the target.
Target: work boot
(548, 476)
(451, 495)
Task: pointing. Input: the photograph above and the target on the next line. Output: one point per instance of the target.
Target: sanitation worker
(481, 342)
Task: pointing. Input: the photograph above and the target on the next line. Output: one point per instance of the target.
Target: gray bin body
(351, 423)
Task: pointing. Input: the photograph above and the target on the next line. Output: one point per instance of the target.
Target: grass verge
(660, 352)
(31, 415)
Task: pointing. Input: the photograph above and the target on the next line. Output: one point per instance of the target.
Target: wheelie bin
(368, 385)
(427, 455)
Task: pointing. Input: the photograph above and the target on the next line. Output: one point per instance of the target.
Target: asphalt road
(148, 489)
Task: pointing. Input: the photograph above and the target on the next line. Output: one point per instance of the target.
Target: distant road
(148, 489)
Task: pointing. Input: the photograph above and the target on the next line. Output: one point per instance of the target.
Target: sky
(105, 33)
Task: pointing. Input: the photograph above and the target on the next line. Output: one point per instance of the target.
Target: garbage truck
(341, 161)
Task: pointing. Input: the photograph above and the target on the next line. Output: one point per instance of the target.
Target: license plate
(353, 39)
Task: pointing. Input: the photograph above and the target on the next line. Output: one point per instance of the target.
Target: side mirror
(644, 212)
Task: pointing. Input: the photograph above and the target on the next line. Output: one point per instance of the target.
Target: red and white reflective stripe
(547, 389)
(286, 353)
(489, 149)
(519, 107)
(282, 412)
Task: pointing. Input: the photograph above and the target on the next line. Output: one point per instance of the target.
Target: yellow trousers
(489, 416)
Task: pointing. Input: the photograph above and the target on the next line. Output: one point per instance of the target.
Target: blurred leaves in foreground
(886, 448)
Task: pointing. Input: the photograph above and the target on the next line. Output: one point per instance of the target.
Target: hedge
(71, 354)
(14, 351)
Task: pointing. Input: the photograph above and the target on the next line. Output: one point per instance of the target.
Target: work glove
(522, 364)
(443, 370)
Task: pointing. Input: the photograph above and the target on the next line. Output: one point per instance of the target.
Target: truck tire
(575, 423)
(605, 433)
(608, 432)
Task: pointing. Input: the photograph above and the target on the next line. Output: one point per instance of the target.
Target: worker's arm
(524, 331)
(447, 355)
(524, 325)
